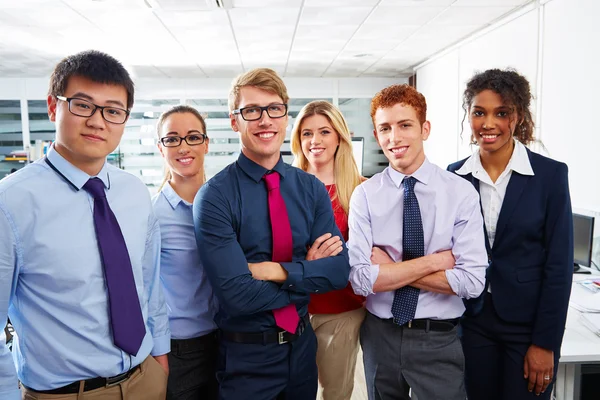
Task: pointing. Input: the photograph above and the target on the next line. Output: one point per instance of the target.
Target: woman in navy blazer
(513, 332)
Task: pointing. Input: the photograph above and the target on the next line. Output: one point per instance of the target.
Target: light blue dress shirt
(452, 220)
(190, 300)
(52, 279)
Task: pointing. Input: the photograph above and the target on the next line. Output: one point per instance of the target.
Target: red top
(337, 301)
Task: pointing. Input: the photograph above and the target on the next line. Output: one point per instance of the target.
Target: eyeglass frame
(182, 138)
(69, 99)
(238, 111)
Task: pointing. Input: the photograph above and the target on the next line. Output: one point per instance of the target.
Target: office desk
(580, 346)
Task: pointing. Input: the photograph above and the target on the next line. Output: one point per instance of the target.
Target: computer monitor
(583, 237)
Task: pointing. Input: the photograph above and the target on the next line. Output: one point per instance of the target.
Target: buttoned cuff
(295, 272)
(162, 345)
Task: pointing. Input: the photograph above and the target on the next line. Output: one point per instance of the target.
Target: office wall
(555, 46)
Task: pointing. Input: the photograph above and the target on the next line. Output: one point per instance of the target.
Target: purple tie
(285, 317)
(125, 312)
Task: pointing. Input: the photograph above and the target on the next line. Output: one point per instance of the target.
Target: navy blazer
(531, 260)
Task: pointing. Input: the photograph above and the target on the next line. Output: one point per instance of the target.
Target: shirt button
(316, 290)
(291, 286)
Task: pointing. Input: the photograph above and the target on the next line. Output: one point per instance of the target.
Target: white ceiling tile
(358, 46)
(339, 3)
(318, 32)
(312, 56)
(416, 3)
(263, 18)
(334, 16)
(322, 45)
(385, 32)
(194, 19)
(409, 15)
(470, 15)
(486, 3)
(266, 3)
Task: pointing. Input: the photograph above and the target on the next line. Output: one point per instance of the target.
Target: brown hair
(179, 109)
(262, 78)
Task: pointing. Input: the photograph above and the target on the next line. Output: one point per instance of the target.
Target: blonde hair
(346, 174)
(179, 109)
(262, 78)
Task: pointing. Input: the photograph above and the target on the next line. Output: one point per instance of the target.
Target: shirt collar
(172, 197)
(255, 171)
(74, 175)
(519, 162)
(422, 174)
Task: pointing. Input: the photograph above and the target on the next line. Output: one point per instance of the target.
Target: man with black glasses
(79, 253)
(254, 222)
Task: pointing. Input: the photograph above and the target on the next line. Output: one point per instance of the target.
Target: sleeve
(9, 387)
(325, 274)
(224, 260)
(158, 320)
(549, 324)
(467, 278)
(363, 274)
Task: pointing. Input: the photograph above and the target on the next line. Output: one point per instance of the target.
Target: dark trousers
(192, 368)
(398, 359)
(494, 357)
(269, 371)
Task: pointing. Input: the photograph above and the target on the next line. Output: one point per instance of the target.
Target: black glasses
(254, 113)
(193, 139)
(84, 108)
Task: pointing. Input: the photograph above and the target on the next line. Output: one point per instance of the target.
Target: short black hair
(94, 65)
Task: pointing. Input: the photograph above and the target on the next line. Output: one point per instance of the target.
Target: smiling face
(401, 136)
(86, 141)
(319, 140)
(261, 139)
(492, 122)
(184, 160)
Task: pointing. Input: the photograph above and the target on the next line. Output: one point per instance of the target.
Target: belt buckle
(115, 380)
(281, 339)
(410, 323)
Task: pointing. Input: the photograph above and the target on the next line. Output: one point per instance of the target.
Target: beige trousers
(149, 382)
(337, 337)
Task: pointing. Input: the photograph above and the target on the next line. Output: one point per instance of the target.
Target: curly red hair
(403, 94)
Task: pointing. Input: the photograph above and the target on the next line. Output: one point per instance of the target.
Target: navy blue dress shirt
(231, 219)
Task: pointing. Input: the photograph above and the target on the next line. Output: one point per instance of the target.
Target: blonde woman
(183, 143)
(321, 144)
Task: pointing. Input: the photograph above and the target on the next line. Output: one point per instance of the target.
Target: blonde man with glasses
(254, 222)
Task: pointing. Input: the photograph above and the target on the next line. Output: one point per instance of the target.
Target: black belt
(280, 336)
(427, 324)
(89, 384)
(180, 346)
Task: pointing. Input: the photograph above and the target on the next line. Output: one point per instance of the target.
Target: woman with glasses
(321, 144)
(192, 361)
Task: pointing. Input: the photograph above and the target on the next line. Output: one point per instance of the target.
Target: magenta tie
(126, 318)
(286, 317)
